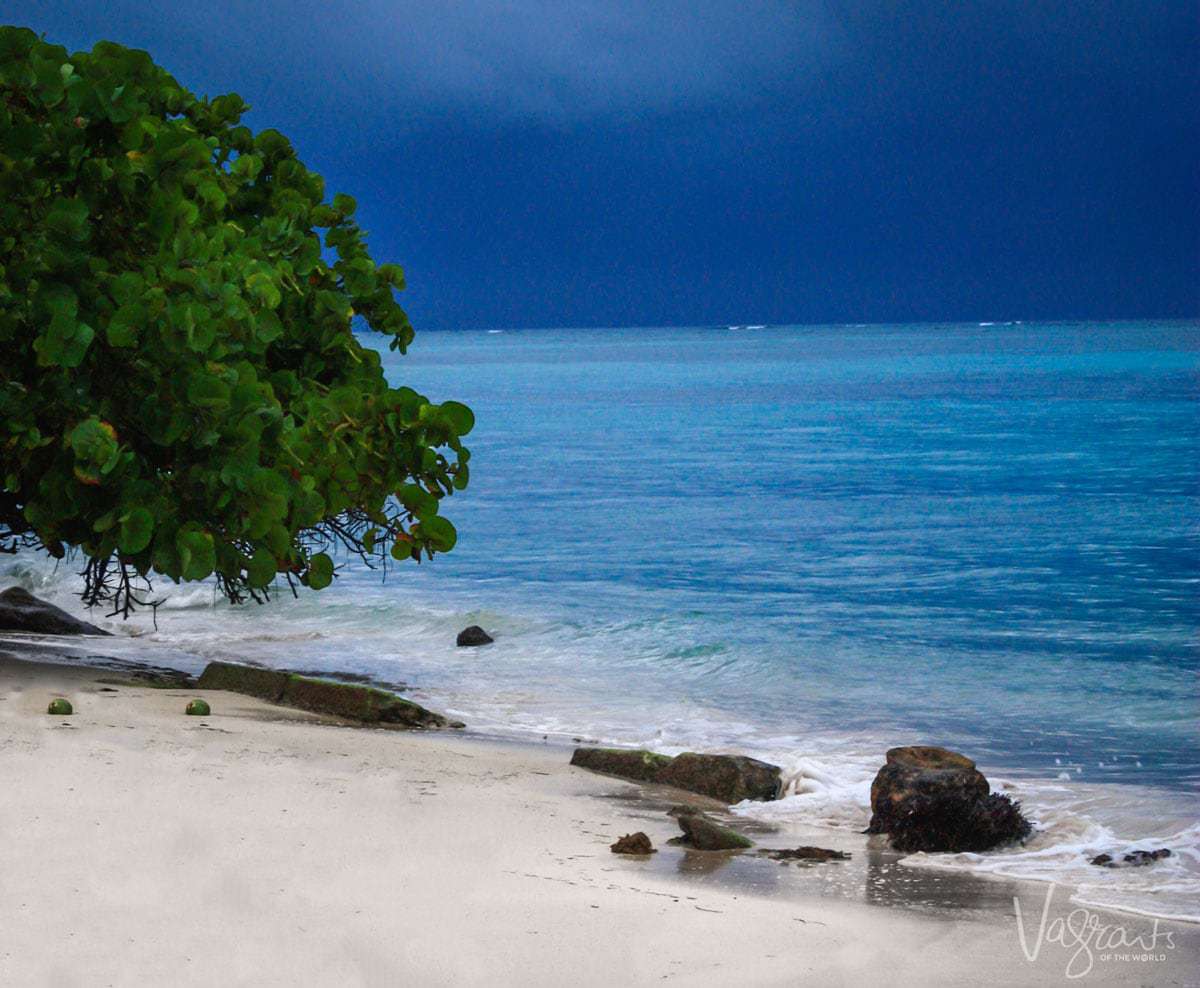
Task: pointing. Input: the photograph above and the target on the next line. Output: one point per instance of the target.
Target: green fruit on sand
(60, 707)
(198, 708)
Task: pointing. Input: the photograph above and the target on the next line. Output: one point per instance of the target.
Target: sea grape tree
(182, 393)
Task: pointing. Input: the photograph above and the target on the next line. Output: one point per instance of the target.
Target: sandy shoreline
(265, 846)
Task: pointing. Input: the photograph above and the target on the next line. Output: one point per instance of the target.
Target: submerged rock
(729, 778)
(806, 853)
(472, 637)
(919, 771)
(639, 765)
(637, 843)
(22, 611)
(705, 834)
(1134, 859)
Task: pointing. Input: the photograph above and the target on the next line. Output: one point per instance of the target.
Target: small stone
(472, 637)
(637, 843)
(1134, 859)
(807, 853)
(60, 708)
(197, 708)
(1146, 857)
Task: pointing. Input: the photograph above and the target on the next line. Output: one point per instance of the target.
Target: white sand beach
(264, 846)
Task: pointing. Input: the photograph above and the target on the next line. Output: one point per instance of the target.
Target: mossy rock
(198, 708)
(361, 703)
(638, 765)
(351, 701)
(60, 708)
(729, 778)
(705, 834)
(266, 684)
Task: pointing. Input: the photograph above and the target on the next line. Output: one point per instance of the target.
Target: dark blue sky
(550, 163)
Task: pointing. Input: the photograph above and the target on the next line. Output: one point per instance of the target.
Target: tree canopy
(181, 389)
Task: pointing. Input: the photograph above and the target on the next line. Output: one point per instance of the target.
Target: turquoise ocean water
(810, 543)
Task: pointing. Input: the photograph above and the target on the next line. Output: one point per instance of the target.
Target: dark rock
(473, 636)
(22, 611)
(637, 843)
(807, 854)
(729, 778)
(362, 703)
(638, 765)
(919, 772)
(1134, 859)
(266, 684)
(958, 820)
(350, 701)
(705, 834)
(1137, 858)
(932, 799)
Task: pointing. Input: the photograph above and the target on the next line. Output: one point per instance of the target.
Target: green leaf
(68, 218)
(197, 554)
(320, 571)
(418, 501)
(261, 569)
(460, 416)
(136, 529)
(438, 533)
(207, 391)
(125, 324)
